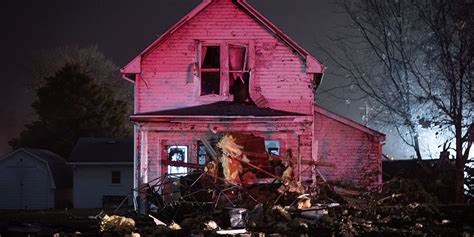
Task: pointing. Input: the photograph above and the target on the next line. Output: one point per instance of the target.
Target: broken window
(273, 147)
(210, 70)
(177, 154)
(222, 64)
(202, 155)
(115, 177)
(237, 58)
(239, 73)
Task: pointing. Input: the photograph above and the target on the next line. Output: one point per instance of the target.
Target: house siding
(356, 154)
(167, 79)
(92, 182)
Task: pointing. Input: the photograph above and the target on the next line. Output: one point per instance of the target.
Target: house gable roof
(102, 151)
(312, 64)
(60, 173)
(349, 122)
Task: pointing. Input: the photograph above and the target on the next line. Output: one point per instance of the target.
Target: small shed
(34, 179)
(102, 171)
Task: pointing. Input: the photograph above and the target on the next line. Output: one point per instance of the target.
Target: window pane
(210, 57)
(180, 154)
(210, 83)
(116, 177)
(273, 147)
(202, 155)
(236, 58)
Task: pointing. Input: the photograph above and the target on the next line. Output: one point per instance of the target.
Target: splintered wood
(231, 167)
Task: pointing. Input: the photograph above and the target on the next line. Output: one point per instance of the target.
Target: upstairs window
(210, 70)
(223, 69)
(239, 73)
(238, 59)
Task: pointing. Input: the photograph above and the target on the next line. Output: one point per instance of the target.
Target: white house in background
(102, 171)
(34, 179)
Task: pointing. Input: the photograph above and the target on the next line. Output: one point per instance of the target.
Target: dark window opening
(239, 87)
(210, 70)
(210, 83)
(210, 57)
(116, 177)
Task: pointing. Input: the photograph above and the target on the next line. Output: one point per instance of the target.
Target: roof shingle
(102, 150)
(223, 108)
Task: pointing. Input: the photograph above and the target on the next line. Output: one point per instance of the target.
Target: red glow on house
(225, 68)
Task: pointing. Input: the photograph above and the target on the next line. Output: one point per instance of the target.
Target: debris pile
(227, 197)
(117, 224)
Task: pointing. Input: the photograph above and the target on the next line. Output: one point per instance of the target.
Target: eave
(100, 163)
(220, 119)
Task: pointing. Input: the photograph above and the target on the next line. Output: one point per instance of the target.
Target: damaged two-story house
(225, 68)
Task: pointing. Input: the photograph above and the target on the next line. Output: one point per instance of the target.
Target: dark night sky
(121, 29)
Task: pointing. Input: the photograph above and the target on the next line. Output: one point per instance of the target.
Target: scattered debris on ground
(227, 198)
(403, 208)
(116, 223)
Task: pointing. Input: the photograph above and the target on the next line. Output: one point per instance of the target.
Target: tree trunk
(459, 183)
(417, 148)
(460, 163)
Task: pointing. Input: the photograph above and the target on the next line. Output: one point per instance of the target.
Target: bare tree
(372, 53)
(448, 56)
(414, 59)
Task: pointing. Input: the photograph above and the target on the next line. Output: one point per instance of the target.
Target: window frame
(224, 92)
(218, 70)
(112, 177)
(187, 159)
(206, 155)
(246, 58)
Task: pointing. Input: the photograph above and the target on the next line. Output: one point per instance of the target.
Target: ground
(402, 209)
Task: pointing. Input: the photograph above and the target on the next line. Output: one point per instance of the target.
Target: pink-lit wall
(167, 79)
(159, 135)
(357, 154)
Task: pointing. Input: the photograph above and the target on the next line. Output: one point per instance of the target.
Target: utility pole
(366, 109)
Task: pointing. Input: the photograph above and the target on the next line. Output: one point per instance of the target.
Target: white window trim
(186, 159)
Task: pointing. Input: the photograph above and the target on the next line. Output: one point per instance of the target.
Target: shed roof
(348, 122)
(221, 108)
(312, 64)
(60, 172)
(102, 150)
